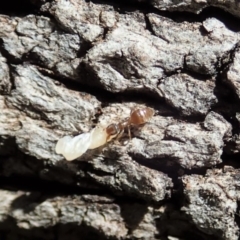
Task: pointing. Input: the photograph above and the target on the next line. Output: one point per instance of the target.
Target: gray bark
(77, 64)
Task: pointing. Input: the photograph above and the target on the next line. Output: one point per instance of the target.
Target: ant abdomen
(141, 116)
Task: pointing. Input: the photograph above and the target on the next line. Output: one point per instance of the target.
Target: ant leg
(120, 135)
(129, 133)
(116, 140)
(73, 127)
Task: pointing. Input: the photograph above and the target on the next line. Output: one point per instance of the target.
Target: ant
(73, 147)
(137, 117)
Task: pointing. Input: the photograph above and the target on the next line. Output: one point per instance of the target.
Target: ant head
(112, 130)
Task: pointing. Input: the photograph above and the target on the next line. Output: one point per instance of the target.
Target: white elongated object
(99, 137)
(73, 147)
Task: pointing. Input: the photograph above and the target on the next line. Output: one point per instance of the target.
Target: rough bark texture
(69, 65)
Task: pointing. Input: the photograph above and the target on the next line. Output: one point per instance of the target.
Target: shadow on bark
(70, 231)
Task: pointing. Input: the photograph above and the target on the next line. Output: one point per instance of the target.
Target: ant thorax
(124, 124)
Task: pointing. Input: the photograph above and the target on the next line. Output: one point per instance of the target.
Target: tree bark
(67, 66)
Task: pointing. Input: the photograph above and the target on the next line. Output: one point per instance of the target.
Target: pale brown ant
(73, 147)
(137, 117)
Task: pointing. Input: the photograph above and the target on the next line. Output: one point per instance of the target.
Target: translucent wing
(73, 147)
